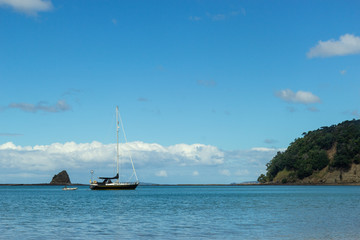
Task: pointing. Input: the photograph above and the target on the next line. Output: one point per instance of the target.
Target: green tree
(309, 153)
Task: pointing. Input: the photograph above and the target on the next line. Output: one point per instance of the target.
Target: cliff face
(325, 176)
(329, 155)
(62, 178)
(350, 176)
(329, 175)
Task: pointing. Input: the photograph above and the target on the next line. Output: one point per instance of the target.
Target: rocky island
(329, 155)
(62, 178)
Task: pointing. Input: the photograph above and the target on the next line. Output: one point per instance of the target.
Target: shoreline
(185, 185)
(153, 185)
(41, 184)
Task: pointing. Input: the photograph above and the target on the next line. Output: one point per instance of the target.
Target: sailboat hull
(114, 186)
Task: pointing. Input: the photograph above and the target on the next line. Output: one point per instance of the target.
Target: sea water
(181, 212)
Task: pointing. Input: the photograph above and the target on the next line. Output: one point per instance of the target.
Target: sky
(209, 91)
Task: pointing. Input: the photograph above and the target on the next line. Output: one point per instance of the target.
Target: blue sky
(209, 91)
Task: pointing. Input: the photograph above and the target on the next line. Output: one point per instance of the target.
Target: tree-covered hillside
(337, 147)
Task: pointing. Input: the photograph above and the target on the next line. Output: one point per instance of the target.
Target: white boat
(69, 189)
(105, 183)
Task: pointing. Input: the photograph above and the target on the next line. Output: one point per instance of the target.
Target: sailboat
(106, 183)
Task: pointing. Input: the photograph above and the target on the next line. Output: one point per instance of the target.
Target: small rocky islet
(62, 178)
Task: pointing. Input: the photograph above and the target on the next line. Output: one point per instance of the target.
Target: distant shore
(41, 184)
(145, 184)
(188, 185)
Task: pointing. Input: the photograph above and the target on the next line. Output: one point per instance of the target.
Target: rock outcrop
(349, 176)
(62, 178)
(326, 176)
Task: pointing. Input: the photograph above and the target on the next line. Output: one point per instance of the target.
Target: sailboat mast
(132, 163)
(117, 143)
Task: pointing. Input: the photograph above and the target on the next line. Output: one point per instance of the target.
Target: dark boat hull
(128, 186)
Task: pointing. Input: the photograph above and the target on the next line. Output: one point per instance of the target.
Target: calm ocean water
(234, 212)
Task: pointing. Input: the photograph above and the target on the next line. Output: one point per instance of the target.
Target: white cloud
(225, 172)
(243, 172)
(30, 7)
(60, 106)
(150, 159)
(76, 155)
(24, 175)
(161, 173)
(263, 149)
(196, 154)
(195, 173)
(346, 45)
(298, 97)
(54, 156)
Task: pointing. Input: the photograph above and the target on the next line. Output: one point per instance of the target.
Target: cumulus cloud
(225, 172)
(161, 173)
(150, 159)
(76, 155)
(346, 45)
(197, 154)
(60, 106)
(53, 156)
(29, 7)
(298, 97)
(263, 149)
(256, 156)
(242, 172)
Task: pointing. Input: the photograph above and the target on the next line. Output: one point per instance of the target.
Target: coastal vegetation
(313, 157)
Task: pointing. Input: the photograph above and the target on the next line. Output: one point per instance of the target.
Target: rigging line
(132, 163)
(130, 177)
(118, 167)
(109, 135)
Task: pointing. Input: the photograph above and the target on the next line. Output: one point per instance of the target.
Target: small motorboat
(69, 188)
